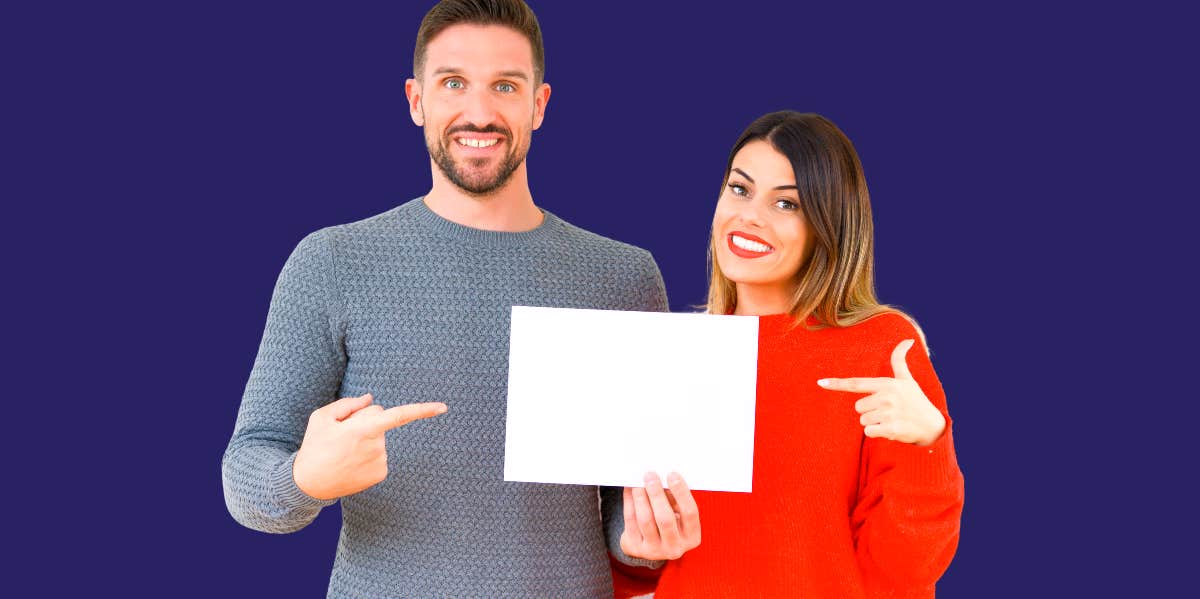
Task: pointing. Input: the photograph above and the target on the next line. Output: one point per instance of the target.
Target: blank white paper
(600, 397)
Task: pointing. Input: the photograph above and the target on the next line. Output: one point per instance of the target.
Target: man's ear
(541, 97)
(412, 89)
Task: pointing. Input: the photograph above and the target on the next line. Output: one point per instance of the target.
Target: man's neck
(509, 209)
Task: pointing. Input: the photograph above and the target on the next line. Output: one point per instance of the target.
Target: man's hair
(514, 14)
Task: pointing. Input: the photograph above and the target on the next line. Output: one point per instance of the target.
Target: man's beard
(472, 180)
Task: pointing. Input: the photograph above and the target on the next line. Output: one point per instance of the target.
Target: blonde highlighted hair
(836, 284)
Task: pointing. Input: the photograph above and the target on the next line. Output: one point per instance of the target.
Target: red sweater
(832, 512)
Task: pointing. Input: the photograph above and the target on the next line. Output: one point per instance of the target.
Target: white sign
(601, 397)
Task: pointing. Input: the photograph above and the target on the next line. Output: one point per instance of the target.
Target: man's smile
(471, 142)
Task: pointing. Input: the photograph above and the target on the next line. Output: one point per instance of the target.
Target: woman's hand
(660, 524)
(896, 408)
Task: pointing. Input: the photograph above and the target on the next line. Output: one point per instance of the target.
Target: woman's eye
(738, 190)
(506, 87)
(454, 84)
(786, 205)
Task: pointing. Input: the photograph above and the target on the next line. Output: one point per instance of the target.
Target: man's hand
(660, 524)
(896, 408)
(343, 451)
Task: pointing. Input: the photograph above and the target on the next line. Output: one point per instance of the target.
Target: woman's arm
(910, 496)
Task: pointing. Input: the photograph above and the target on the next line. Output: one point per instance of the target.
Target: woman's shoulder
(885, 329)
(890, 322)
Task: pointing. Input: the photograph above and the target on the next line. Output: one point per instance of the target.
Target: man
(404, 317)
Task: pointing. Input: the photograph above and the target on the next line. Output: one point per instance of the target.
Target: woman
(857, 492)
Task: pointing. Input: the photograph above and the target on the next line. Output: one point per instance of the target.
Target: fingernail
(651, 478)
(674, 478)
(442, 409)
(369, 397)
(823, 382)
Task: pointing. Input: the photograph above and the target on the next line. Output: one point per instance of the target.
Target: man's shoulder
(330, 246)
(585, 240)
(388, 220)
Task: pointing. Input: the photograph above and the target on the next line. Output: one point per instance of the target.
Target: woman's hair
(836, 284)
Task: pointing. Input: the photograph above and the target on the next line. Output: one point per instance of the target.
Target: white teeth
(477, 143)
(752, 246)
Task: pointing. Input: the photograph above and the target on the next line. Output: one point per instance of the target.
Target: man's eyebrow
(511, 74)
(751, 179)
(515, 75)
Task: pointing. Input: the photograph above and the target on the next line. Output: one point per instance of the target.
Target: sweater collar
(468, 235)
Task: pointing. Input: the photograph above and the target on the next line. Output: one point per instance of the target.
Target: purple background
(163, 160)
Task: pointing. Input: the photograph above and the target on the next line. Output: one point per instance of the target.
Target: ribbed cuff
(653, 564)
(932, 464)
(289, 496)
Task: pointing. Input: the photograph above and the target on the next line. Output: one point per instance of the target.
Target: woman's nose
(750, 214)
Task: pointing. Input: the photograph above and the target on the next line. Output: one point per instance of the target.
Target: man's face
(479, 104)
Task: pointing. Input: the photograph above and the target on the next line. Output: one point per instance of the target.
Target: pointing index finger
(401, 415)
(855, 385)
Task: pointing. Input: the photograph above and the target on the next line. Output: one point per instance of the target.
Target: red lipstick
(744, 252)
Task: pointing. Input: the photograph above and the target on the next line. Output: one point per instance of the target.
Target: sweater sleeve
(649, 295)
(298, 369)
(910, 500)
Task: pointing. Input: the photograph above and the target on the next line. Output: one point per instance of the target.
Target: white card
(600, 397)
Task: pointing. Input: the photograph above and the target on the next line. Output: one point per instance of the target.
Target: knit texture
(832, 512)
(414, 308)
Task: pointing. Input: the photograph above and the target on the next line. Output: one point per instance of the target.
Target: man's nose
(480, 109)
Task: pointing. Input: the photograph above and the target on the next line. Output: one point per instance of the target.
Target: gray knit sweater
(412, 308)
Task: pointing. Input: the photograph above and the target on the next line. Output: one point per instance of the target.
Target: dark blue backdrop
(163, 160)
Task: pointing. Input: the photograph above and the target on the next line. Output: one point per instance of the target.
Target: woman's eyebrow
(751, 179)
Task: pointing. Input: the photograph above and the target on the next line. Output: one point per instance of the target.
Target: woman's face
(760, 233)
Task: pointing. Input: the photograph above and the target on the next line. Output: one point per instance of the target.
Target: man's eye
(506, 87)
(454, 84)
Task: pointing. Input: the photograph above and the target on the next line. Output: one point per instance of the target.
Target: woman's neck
(759, 300)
